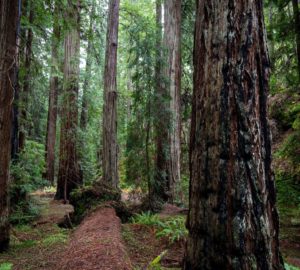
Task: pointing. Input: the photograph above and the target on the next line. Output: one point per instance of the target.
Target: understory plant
(172, 228)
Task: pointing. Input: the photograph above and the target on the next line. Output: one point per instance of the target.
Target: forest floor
(40, 244)
(102, 242)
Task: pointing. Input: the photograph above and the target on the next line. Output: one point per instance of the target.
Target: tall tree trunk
(15, 109)
(69, 174)
(26, 80)
(172, 73)
(232, 221)
(9, 13)
(297, 30)
(110, 147)
(159, 187)
(87, 77)
(53, 96)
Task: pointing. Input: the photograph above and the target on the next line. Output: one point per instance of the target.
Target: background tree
(8, 55)
(110, 146)
(25, 78)
(172, 73)
(297, 29)
(232, 221)
(53, 96)
(69, 174)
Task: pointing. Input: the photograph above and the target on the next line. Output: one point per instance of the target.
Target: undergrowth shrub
(290, 267)
(172, 228)
(6, 266)
(27, 176)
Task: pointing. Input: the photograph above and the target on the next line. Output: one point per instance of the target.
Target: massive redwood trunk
(8, 54)
(53, 96)
(110, 146)
(69, 174)
(232, 221)
(172, 73)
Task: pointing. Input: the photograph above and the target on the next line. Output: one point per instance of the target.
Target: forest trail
(51, 211)
(97, 244)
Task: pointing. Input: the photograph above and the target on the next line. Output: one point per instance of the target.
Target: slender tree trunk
(159, 187)
(172, 73)
(232, 221)
(26, 80)
(297, 30)
(53, 96)
(88, 71)
(9, 13)
(69, 174)
(15, 110)
(110, 147)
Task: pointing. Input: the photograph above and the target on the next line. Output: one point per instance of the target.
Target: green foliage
(60, 237)
(27, 176)
(146, 218)
(6, 266)
(155, 264)
(290, 267)
(27, 171)
(138, 32)
(86, 198)
(172, 228)
(25, 211)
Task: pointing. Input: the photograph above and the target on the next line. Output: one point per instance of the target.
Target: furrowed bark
(53, 97)
(232, 221)
(69, 174)
(110, 146)
(172, 73)
(159, 187)
(9, 13)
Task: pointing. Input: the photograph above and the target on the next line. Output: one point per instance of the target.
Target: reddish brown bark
(69, 174)
(232, 221)
(53, 96)
(110, 146)
(159, 188)
(8, 55)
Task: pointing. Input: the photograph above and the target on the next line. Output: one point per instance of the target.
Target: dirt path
(97, 244)
(52, 211)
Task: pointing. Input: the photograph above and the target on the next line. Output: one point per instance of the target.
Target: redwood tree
(8, 55)
(110, 147)
(53, 95)
(69, 174)
(158, 190)
(28, 9)
(172, 79)
(232, 221)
